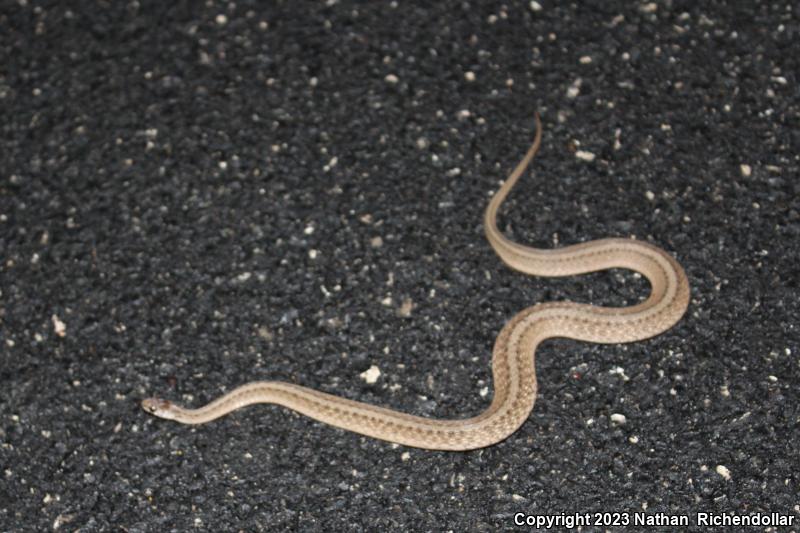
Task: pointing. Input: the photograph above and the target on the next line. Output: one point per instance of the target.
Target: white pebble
(585, 156)
(618, 418)
(724, 472)
(573, 92)
(391, 78)
(371, 375)
(650, 7)
(574, 89)
(535, 6)
(746, 170)
(332, 163)
(469, 76)
(406, 307)
(58, 326)
(619, 371)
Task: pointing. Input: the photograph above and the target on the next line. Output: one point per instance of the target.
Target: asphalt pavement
(196, 195)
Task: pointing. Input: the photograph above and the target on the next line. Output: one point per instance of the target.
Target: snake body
(513, 368)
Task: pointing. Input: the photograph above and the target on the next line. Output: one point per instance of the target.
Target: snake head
(158, 407)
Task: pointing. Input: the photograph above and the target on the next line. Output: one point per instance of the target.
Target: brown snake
(513, 368)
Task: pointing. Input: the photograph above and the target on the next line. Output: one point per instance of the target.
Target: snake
(513, 355)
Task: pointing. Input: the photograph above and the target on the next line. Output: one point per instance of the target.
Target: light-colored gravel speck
(59, 327)
(746, 170)
(371, 374)
(619, 419)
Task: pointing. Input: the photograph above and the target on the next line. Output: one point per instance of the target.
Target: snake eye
(154, 405)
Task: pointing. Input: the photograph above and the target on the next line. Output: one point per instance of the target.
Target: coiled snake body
(513, 369)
